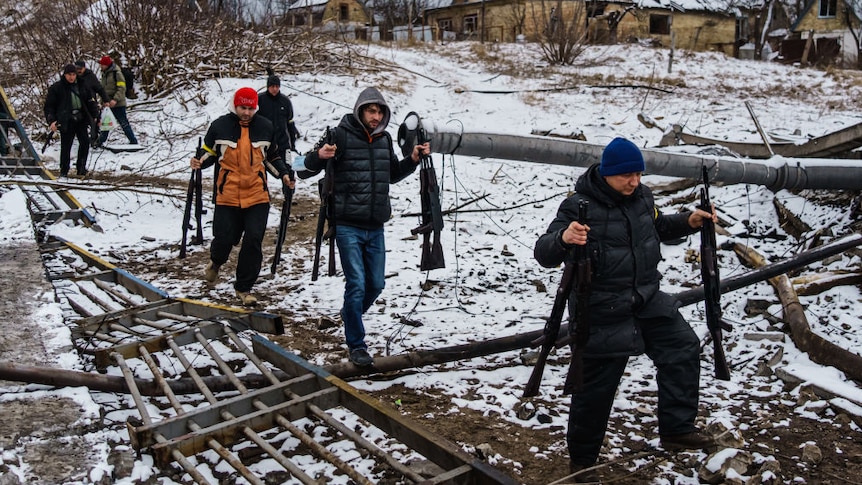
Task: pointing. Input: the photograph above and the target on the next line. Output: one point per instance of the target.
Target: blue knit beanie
(621, 156)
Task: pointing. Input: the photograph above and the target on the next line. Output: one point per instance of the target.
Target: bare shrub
(169, 45)
(560, 32)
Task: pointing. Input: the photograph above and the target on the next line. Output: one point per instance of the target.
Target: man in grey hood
(363, 165)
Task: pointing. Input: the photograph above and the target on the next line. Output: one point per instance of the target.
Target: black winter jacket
(279, 110)
(364, 166)
(58, 105)
(624, 248)
(92, 81)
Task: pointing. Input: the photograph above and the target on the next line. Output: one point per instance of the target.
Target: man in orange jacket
(242, 144)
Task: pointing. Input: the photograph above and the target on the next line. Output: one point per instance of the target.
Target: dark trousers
(68, 134)
(232, 224)
(675, 350)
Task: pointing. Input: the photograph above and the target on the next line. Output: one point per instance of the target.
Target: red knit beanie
(106, 61)
(245, 97)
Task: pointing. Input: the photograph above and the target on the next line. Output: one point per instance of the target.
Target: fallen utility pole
(775, 174)
(100, 382)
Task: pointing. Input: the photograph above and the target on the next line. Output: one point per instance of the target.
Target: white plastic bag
(109, 122)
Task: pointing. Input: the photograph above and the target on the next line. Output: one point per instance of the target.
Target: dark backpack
(129, 75)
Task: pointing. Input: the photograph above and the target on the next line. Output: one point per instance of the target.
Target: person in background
(242, 143)
(88, 77)
(278, 109)
(71, 109)
(364, 165)
(629, 315)
(114, 85)
(4, 129)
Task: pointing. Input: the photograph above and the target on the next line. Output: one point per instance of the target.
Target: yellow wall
(694, 30)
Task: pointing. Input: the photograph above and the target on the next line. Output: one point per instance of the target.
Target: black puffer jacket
(364, 166)
(58, 105)
(624, 247)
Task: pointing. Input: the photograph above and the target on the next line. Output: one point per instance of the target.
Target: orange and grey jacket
(241, 153)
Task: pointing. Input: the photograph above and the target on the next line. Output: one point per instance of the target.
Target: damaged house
(701, 25)
(826, 32)
(348, 18)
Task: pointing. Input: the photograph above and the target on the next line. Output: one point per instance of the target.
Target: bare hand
(326, 151)
(696, 219)
(576, 233)
(290, 183)
(419, 150)
(196, 163)
(53, 126)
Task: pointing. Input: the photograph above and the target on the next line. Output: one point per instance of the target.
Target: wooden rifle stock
(552, 328)
(712, 284)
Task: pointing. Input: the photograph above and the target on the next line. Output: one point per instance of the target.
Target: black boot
(582, 475)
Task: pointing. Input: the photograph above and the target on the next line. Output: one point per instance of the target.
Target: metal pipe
(775, 174)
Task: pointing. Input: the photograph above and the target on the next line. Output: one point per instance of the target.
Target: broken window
(445, 24)
(828, 8)
(659, 24)
(471, 23)
(595, 8)
(343, 13)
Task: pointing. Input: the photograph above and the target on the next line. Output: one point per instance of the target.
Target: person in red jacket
(241, 144)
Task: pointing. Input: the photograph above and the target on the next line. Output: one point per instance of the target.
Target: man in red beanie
(115, 88)
(628, 313)
(242, 146)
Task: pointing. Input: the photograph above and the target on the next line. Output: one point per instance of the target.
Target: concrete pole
(776, 173)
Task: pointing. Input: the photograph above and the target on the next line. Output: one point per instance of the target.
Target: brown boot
(247, 299)
(695, 440)
(581, 474)
(211, 274)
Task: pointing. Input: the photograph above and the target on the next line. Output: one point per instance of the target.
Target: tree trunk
(819, 349)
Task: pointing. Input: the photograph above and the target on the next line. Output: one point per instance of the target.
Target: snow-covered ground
(489, 286)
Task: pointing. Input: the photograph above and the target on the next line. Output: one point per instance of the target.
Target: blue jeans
(123, 120)
(363, 260)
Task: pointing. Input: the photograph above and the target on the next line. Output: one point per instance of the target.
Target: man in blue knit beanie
(628, 313)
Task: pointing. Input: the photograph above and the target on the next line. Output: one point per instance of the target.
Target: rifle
(712, 283)
(326, 216)
(193, 194)
(548, 339)
(432, 215)
(583, 288)
(49, 138)
(282, 226)
(199, 204)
